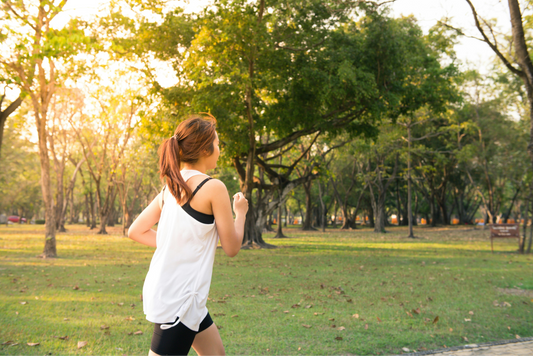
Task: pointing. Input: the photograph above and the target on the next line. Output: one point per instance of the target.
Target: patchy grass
(298, 299)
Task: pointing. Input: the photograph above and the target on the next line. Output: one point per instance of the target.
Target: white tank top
(178, 281)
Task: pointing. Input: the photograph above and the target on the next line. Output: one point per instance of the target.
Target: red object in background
(15, 219)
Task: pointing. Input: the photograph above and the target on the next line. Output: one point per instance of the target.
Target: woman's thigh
(208, 342)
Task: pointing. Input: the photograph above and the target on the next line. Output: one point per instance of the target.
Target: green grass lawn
(319, 293)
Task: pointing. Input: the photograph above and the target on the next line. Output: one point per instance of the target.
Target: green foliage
(321, 72)
(20, 174)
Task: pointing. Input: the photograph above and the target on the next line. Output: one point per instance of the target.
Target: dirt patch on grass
(516, 291)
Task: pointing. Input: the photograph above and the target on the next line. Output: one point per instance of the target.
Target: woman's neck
(195, 167)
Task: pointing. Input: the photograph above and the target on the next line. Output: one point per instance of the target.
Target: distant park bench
(504, 231)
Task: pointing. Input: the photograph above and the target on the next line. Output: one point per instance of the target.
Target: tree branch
(492, 45)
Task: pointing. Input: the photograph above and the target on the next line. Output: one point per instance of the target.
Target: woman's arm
(141, 229)
(231, 232)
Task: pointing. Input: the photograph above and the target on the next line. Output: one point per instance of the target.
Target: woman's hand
(240, 204)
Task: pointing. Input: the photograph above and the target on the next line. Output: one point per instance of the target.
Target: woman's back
(178, 281)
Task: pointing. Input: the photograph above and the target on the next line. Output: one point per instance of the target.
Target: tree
(104, 138)
(65, 105)
(270, 70)
(37, 60)
(346, 171)
(20, 173)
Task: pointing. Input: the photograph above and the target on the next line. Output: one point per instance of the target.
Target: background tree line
(324, 109)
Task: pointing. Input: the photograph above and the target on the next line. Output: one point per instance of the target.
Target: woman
(193, 212)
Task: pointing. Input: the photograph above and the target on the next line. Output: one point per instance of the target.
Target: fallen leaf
(23, 303)
(306, 326)
(66, 319)
(338, 338)
(10, 342)
(64, 337)
(468, 319)
(331, 319)
(104, 327)
(286, 311)
(465, 338)
(81, 344)
(451, 329)
(436, 319)
(219, 314)
(138, 332)
(295, 306)
(129, 318)
(341, 328)
(308, 306)
(318, 313)
(505, 304)
(356, 316)
(34, 343)
(379, 320)
(471, 312)
(366, 326)
(405, 349)
(299, 348)
(76, 288)
(411, 315)
(219, 327)
(120, 304)
(416, 311)
(517, 336)
(235, 316)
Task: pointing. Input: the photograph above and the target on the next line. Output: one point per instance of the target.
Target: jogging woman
(193, 212)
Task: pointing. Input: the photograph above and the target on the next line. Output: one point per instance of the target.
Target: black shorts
(176, 340)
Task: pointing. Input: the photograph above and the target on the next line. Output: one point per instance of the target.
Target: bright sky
(469, 51)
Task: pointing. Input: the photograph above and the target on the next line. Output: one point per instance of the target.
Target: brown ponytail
(192, 139)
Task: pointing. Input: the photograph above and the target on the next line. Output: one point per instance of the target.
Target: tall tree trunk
(371, 219)
(285, 210)
(49, 208)
(60, 197)
(379, 212)
(521, 56)
(308, 221)
(92, 211)
(334, 222)
(398, 204)
(323, 208)
(434, 212)
(72, 216)
(87, 211)
(279, 232)
(522, 244)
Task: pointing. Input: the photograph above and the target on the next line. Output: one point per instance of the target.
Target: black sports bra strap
(198, 187)
(163, 196)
